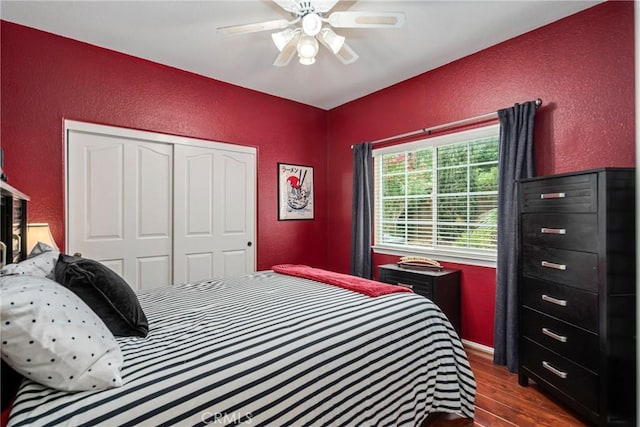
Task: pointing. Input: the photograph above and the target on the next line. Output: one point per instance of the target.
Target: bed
(270, 349)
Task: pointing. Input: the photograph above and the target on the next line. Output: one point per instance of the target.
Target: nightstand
(441, 287)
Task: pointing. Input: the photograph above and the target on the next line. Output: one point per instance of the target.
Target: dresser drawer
(420, 283)
(567, 377)
(563, 231)
(577, 193)
(566, 303)
(565, 339)
(442, 287)
(573, 268)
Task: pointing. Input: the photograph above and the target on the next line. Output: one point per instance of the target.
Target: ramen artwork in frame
(295, 192)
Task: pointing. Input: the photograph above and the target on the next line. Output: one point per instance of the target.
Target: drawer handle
(550, 333)
(553, 300)
(544, 230)
(553, 265)
(553, 195)
(556, 371)
(405, 285)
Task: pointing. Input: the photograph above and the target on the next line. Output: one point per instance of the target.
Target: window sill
(481, 260)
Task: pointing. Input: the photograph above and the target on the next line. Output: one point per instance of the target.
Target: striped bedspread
(273, 350)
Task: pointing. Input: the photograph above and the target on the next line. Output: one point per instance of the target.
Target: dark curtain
(515, 162)
(362, 212)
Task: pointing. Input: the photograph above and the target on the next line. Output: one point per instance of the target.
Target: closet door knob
(249, 244)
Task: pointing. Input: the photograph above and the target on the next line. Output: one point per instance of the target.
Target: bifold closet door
(120, 205)
(214, 213)
(160, 209)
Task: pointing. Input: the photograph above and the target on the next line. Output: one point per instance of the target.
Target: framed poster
(295, 192)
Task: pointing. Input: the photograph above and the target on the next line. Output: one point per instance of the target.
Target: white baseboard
(479, 347)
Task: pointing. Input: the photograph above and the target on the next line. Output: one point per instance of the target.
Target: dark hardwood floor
(500, 401)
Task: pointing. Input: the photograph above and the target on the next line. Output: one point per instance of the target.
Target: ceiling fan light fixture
(288, 52)
(311, 24)
(331, 40)
(307, 49)
(282, 38)
(307, 61)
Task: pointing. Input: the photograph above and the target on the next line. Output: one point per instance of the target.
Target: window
(438, 196)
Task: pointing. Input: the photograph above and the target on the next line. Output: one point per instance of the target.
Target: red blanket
(346, 281)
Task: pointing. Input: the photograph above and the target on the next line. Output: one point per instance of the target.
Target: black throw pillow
(105, 292)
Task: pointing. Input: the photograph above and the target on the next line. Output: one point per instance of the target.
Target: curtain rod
(462, 122)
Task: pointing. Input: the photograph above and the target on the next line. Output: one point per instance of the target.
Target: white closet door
(214, 213)
(120, 205)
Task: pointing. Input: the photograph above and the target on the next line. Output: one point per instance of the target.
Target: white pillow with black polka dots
(52, 337)
(40, 265)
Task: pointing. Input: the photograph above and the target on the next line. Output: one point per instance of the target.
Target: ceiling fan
(314, 26)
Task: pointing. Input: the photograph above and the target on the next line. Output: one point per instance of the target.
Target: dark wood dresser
(441, 287)
(13, 222)
(577, 291)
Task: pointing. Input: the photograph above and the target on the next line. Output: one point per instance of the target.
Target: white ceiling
(182, 34)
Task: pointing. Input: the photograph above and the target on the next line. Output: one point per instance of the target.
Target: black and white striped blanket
(273, 350)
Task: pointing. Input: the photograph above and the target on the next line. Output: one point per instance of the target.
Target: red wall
(583, 69)
(46, 79)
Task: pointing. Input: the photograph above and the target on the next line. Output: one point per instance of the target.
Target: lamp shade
(331, 40)
(282, 38)
(39, 232)
(307, 49)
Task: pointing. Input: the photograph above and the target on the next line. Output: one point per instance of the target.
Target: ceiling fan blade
(355, 19)
(319, 6)
(287, 53)
(347, 55)
(324, 6)
(278, 24)
(288, 5)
